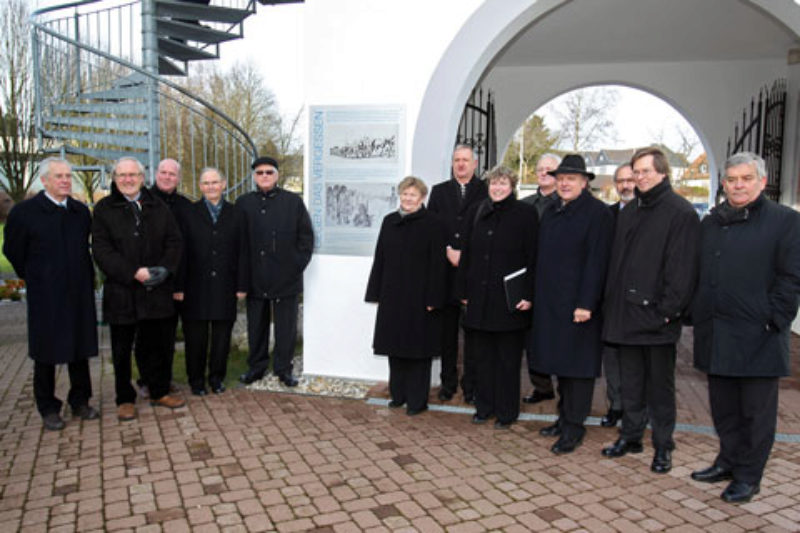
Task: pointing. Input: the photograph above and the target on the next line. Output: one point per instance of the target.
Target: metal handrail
(150, 75)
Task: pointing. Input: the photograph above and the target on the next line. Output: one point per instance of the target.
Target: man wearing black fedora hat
(574, 243)
(278, 239)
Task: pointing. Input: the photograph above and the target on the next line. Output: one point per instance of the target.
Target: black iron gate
(477, 129)
(762, 132)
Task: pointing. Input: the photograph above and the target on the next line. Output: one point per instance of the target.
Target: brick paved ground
(257, 461)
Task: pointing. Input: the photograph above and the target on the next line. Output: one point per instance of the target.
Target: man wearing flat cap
(278, 240)
(574, 243)
(651, 278)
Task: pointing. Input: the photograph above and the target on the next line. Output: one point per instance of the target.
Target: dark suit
(447, 201)
(48, 246)
(212, 273)
(746, 299)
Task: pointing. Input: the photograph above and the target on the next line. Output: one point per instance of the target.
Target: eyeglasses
(264, 172)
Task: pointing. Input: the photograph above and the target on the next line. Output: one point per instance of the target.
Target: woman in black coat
(133, 232)
(574, 244)
(210, 280)
(408, 282)
(499, 239)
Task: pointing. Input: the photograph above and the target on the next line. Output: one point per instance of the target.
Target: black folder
(514, 285)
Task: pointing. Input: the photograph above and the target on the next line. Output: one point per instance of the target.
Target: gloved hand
(157, 276)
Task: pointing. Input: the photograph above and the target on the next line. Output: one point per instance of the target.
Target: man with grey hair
(138, 246)
(545, 197)
(746, 300)
(451, 200)
(47, 242)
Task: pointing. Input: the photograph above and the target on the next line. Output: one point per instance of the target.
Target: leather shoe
(712, 474)
(565, 445)
(250, 376)
(611, 418)
(662, 461)
(53, 422)
(199, 391)
(739, 492)
(553, 430)
(477, 419)
(538, 396)
(85, 412)
(218, 388)
(171, 402)
(394, 404)
(502, 425)
(126, 411)
(621, 447)
(413, 412)
(445, 395)
(288, 380)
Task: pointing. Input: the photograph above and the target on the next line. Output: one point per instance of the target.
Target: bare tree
(585, 118)
(18, 146)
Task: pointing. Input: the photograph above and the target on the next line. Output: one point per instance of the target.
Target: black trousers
(44, 386)
(450, 328)
(196, 334)
(144, 351)
(469, 368)
(613, 377)
(499, 359)
(541, 382)
(574, 405)
(410, 381)
(259, 314)
(648, 386)
(154, 363)
(745, 413)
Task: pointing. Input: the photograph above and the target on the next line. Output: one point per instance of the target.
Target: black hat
(264, 160)
(572, 164)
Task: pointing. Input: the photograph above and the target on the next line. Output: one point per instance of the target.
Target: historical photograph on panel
(360, 142)
(358, 205)
(356, 161)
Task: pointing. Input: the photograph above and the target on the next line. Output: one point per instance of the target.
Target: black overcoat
(121, 247)
(408, 275)
(210, 274)
(447, 202)
(277, 233)
(748, 291)
(48, 246)
(653, 268)
(499, 239)
(574, 245)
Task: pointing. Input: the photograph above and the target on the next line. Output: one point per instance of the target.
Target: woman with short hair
(408, 282)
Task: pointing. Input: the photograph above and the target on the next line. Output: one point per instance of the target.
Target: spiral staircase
(104, 79)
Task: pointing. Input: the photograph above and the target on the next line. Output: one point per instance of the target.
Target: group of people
(578, 286)
(573, 284)
(161, 258)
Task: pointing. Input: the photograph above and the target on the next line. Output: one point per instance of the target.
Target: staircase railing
(94, 97)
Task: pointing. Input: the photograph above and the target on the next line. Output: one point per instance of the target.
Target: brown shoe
(173, 402)
(126, 411)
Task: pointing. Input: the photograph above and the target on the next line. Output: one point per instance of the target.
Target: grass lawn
(5, 266)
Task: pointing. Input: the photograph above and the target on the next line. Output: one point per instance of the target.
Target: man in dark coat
(137, 245)
(452, 200)
(574, 243)
(546, 196)
(407, 281)
(210, 281)
(499, 241)
(625, 185)
(168, 178)
(742, 313)
(46, 239)
(651, 279)
(276, 229)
